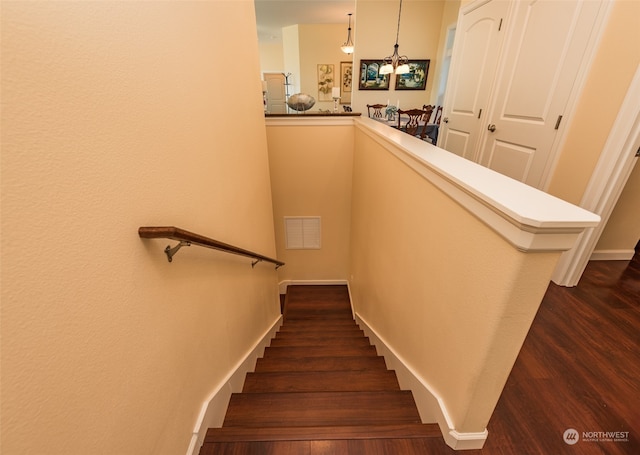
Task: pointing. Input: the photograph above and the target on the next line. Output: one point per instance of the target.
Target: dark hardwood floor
(579, 369)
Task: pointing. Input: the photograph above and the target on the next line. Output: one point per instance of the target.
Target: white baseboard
(430, 406)
(214, 408)
(612, 255)
(282, 286)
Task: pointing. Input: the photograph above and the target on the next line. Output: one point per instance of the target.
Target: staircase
(322, 388)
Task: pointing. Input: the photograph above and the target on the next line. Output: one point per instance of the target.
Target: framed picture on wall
(370, 77)
(346, 82)
(416, 79)
(326, 78)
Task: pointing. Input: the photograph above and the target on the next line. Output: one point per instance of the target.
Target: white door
(477, 46)
(547, 44)
(276, 95)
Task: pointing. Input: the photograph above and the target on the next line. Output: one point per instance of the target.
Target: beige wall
(291, 56)
(449, 18)
(614, 65)
(320, 44)
(271, 57)
(117, 115)
(419, 39)
(448, 294)
(311, 176)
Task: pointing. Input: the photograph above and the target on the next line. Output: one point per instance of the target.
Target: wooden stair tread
(320, 317)
(315, 326)
(324, 363)
(303, 352)
(319, 304)
(321, 381)
(305, 334)
(317, 307)
(320, 409)
(310, 433)
(320, 341)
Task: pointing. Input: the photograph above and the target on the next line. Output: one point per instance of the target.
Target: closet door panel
(536, 77)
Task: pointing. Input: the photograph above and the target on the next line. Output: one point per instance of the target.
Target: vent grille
(302, 232)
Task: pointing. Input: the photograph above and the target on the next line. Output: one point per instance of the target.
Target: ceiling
(272, 15)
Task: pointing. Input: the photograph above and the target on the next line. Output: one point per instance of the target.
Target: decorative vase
(301, 102)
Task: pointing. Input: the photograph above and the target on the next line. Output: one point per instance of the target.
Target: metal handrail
(187, 238)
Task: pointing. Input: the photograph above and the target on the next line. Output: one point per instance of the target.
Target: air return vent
(302, 232)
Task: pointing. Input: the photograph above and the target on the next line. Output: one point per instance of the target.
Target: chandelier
(347, 47)
(397, 62)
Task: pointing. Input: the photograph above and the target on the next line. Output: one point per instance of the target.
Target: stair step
(320, 316)
(315, 293)
(326, 305)
(404, 431)
(303, 352)
(302, 325)
(327, 363)
(316, 333)
(329, 303)
(320, 341)
(321, 381)
(320, 409)
(404, 446)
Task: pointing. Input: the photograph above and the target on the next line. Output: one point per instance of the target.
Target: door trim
(572, 103)
(606, 184)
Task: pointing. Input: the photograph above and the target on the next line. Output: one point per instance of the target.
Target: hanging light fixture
(397, 62)
(347, 47)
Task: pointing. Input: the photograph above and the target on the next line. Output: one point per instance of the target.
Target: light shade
(347, 49)
(403, 69)
(386, 69)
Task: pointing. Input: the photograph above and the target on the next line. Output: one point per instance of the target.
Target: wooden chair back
(412, 123)
(428, 110)
(375, 110)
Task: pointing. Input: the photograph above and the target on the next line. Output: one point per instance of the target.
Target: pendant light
(347, 47)
(397, 62)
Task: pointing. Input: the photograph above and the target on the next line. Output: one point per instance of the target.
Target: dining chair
(438, 115)
(410, 123)
(375, 110)
(428, 110)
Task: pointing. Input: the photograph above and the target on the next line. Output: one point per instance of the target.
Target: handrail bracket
(170, 252)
